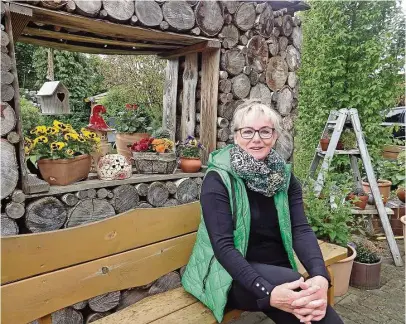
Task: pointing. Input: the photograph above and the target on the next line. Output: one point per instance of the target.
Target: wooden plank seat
(44, 272)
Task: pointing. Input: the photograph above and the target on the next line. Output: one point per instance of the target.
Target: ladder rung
(347, 152)
(332, 122)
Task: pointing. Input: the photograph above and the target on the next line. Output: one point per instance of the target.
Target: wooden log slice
(157, 194)
(171, 203)
(243, 40)
(258, 53)
(227, 110)
(6, 63)
(105, 302)
(142, 189)
(91, 193)
(179, 15)
(89, 8)
(120, 10)
(260, 7)
(292, 79)
(284, 145)
(244, 18)
(89, 211)
(182, 271)
(254, 77)
(273, 45)
(7, 92)
(230, 36)
(283, 43)
(45, 214)
(209, 17)
(15, 210)
(230, 6)
(130, 297)
(247, 70)
(223, 134)
(220, 145)
(262, 92)
(287, 25)
(285, 99)
(5, 40)
(8, 226)
(171, 186)
(264, 22)
(228, 18)
(4, 49)
(222, 122)
(276, 73)
(125, 198)
(296, 21)
(96, 316)
(144, 204)
(8, 167)
(225, 86)
(297, 38)
(67, 316)
(167, 282)
(102, 193)
(186, 190)
(13, 137)
(293, 58)
(8, 119)
(7, 77)
(287, 123)
(195, 31)
(70, 6)
(233, 61)
(82, 194)
(276, 31)
(223, 75)
(241, 86)
(18, 196)
(2, 9)
(80, 305)
(164, 25)
(149, 13)
(225, 97)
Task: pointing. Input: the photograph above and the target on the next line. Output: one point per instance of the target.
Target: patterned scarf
(266, 177)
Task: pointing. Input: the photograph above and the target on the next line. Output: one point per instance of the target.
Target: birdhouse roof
(49, 88)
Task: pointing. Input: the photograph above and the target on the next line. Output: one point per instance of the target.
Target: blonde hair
(255, 106)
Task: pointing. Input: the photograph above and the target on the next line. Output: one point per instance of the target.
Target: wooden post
(209, 97)
(189, 92)
(169, 100)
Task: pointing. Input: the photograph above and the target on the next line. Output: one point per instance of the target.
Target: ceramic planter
(361, 203)
(384, 188)
(391, 152)
(125, 139)
(190, 165)
(324, 143)
(366, 275)
(152, 162)
(401, 194)
(62, 172)
(342, 273)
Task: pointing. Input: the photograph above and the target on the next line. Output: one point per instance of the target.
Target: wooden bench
(44, 272)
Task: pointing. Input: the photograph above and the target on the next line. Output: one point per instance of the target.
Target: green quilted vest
(204, 277)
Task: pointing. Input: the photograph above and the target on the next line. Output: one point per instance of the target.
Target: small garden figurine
(189, 153)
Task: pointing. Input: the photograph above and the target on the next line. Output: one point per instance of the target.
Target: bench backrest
(48, 271)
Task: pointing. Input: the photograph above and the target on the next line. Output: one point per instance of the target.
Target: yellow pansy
(57, 146)
(70, 152)
(41, 139)
(27, 140)
(27, 149)
(52, 130)
(193, 142)
(81, 138)
(71, 136)
(39, 130)
(96, 140)
(59, 125)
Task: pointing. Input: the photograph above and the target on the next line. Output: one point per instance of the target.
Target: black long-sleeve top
(265, 242)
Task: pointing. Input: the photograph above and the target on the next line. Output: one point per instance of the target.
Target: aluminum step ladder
(337, 121)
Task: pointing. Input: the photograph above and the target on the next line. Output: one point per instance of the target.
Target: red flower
(131, 106)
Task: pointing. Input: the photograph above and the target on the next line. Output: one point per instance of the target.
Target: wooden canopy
(66, 31)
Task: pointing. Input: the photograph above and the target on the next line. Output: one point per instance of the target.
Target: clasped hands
(308, 304)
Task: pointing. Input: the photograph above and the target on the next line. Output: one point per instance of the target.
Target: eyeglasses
(249, 132)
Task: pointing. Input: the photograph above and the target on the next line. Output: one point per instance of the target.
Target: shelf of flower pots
(342, 152)
(370, 210)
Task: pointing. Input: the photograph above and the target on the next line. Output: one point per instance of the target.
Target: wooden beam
(25, 256)
(95, 40)
(107, 28)
(200, 47)
(209, 97)
(84, 49)
(190, 75)
(170, 93)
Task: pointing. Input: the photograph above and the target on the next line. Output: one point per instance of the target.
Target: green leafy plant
(30, 115)
(367, 252)
(392, 170)
(161, 133)
(190, 148)
(348, 139)
(133, 119)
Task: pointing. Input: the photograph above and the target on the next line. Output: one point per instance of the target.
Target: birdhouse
(54, 98)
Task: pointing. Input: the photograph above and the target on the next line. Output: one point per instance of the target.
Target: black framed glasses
(249, 132)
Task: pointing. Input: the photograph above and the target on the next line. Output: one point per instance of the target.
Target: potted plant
(333, 225)
(348, 140)
(189, 153)
(366, 271)
(63, 153)
(131, 125)
(154, 155)
(325, 141)
(358, 198)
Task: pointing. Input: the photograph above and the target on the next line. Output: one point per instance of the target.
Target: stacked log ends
(96, 316)
(45, 214)
(89, 211)
(186, 190)
(8, 119)
(125, 198)
(130, 297)
(179, 15)
(165, 283)
(8, 167)
(148, 13)
(8, 226)
(276, 73)
(245, 16)
(209, 17)
(158, 194)
(67, 315)
(105, 302)
(284, 145)
(88, 8)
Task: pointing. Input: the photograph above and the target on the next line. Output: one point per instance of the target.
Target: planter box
(62, 172)
(151, 162)
(365, 275)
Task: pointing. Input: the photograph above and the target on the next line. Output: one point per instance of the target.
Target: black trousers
(240, 298)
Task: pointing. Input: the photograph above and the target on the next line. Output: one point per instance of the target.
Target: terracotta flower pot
(401, 193)
(361, 203)
(125, 139)
(384, 188)
(366, 275)
(62, 172)
(190, 165)
(342, 273)
(324, 143)
(340, 146)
